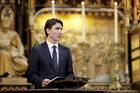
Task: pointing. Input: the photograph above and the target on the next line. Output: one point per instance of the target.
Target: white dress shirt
(50, 46)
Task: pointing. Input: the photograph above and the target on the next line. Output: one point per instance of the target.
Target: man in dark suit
(50, 58)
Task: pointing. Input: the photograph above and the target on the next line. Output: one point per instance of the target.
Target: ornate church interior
(103, 35)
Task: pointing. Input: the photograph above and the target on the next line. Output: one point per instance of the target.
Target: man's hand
(45, 82)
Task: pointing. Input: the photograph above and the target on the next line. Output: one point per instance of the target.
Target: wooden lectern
(60, 82)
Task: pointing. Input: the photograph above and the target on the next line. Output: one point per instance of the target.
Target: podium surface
(55, 90)
(60, 82)
(75, 82)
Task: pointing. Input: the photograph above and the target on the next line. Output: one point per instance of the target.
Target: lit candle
(53, 8)
(116, 22)
(83, 22)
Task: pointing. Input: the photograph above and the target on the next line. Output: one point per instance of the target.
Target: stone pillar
(127, 8)
(112, 3)
(31, 11)
(136, 2)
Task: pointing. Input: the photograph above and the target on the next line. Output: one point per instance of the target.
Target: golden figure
(12, 60)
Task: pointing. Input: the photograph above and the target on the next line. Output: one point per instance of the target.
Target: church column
(112, 3)
(127, 8)
(136, 5)
(19, 17)
(31, 11)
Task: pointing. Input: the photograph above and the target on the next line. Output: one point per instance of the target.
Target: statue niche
(102, 58)
(13, 63)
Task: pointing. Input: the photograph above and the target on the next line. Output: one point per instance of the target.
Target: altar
(14, 84)
(71, 91)
(17, 85)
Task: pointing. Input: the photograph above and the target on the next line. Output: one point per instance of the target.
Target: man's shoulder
(63, 46)
(39, 46)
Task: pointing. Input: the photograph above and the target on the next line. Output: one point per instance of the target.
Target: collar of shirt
(50, 45)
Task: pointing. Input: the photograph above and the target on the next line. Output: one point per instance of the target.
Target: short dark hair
(50, 22)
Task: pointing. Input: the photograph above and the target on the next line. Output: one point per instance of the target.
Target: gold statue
(12, 59)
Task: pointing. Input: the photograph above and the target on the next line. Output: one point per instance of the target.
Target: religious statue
(80, 58)
(102, 59)
(12, 59)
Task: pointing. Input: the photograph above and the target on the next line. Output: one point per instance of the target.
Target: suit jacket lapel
(60, 57)
(48, 55)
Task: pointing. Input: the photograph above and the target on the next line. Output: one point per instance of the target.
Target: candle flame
(82, 3)
(52, 1)
(116, 3)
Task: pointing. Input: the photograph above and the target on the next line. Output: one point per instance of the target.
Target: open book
(61, 82)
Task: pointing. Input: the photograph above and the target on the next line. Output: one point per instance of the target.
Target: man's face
(54, 34)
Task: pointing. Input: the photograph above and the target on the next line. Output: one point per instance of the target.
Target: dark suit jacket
(41, 65)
